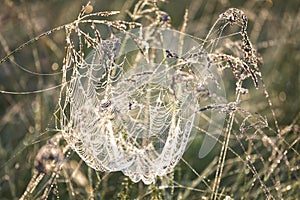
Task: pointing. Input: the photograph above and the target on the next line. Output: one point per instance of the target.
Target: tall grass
(257, 155)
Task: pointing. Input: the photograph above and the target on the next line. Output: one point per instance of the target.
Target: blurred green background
(274, 29)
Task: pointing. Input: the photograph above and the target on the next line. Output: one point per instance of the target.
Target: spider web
(133, 111)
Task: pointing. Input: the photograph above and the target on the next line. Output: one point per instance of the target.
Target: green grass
(262, 162)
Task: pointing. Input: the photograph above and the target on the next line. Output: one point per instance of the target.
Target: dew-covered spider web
(130, 106)
(134, 108)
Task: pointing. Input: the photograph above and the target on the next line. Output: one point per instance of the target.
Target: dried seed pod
(48, 157)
